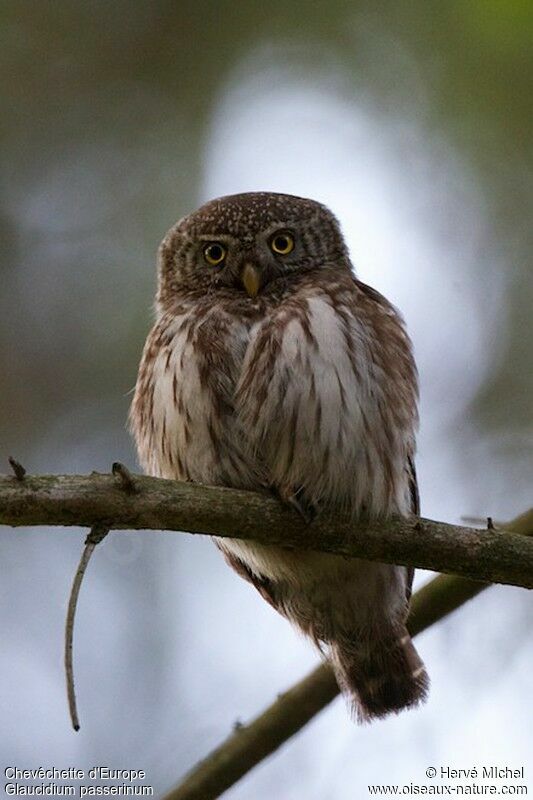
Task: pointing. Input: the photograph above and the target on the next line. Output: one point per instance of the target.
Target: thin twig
(97, 533)
(17, 468)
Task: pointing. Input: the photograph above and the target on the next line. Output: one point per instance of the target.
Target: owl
(272, 367)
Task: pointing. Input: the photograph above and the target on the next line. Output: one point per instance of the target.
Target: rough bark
(152, 503)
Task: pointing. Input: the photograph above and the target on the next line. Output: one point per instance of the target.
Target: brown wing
(413, 485)
(415, 509)
(408, 366)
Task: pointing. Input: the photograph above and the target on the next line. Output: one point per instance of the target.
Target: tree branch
(252, 743)
(487, 555)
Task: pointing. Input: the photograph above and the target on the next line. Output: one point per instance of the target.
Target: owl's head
(245, 243)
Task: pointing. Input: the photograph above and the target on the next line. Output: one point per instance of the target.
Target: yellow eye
(282, 243)
(214, 253)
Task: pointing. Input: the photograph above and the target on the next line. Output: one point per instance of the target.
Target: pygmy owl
(271, 365)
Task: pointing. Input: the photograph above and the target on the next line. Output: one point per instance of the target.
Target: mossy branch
(489, 555)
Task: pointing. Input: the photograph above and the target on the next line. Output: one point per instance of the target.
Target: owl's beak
(251, 279)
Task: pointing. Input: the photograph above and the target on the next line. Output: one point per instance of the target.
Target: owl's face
(246, 243)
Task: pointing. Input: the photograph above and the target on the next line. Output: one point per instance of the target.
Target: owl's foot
(299, 501)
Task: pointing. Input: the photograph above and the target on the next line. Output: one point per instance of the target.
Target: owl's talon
(297, 500)
(307, 512)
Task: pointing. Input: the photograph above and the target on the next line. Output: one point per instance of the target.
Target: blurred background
(412, 121)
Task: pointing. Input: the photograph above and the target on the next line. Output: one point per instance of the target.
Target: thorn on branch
(95, 536)
(17, 468)
(125, 477)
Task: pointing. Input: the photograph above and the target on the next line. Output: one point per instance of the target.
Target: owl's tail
(380, 676)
